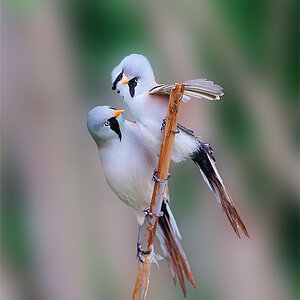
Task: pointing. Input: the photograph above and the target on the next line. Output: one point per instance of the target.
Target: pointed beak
(118, 112)
(124, 79)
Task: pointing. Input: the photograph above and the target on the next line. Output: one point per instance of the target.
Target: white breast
(128, 166)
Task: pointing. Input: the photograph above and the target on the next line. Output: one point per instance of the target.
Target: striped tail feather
(200, 88)
(169, 238)
(203, 89)
(204, 158)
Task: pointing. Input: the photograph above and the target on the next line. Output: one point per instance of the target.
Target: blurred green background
(64, 234)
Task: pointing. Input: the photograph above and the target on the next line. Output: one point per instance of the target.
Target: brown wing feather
(229, 208)
(173, 250)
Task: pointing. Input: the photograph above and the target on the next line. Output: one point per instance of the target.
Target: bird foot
(175, 132)
(155, 178)
(139, 251)
(148, 213)
(139, 254)
(163, 125)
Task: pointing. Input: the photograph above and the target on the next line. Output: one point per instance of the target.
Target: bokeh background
(65, 235)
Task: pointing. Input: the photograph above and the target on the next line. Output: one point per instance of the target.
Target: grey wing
(200, 88)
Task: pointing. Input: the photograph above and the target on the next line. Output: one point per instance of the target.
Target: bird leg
(179, 126)
(139, 241)
(139, 249)
(186, 130)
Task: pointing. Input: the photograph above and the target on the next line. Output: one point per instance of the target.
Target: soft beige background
(65, 235)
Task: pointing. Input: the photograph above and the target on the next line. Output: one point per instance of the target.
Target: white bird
(128, 165)
(147, 100)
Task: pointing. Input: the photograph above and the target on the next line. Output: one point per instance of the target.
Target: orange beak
(124, 79)
(118, 112)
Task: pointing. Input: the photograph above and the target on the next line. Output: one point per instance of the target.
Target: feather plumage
(204, 158)
(197, 88)
(170, 243)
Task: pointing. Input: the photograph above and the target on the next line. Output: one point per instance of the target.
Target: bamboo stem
(150, 225)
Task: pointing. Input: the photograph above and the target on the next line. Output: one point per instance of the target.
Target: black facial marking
(132, 84)
(114, 125)
(119, 77)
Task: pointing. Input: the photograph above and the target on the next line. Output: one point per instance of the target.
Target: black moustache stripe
(119, 77)
(114, 125)
(132, 84)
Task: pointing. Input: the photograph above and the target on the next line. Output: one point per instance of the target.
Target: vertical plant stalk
(150, 225)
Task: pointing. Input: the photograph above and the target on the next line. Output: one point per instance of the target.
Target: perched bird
(134, 80)
(128, 165)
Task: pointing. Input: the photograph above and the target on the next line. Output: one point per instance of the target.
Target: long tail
(169, 238)
(204, 158)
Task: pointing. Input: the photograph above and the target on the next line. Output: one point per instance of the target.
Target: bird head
(103, 123)
(133, 76)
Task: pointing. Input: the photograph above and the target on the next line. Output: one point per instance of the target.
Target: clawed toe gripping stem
(139, 256)
(175, 132)
(139, 250)
(148, 213)
(163, 125)
(155, 178)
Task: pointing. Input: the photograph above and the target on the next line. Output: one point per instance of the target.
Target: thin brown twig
(150, 226)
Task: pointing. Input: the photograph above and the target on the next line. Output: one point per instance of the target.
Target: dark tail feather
(169, 238)
(204, 158)
(229, 208)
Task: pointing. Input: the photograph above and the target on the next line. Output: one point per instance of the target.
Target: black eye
(132, 84)
(107, 123)
(133, 81)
